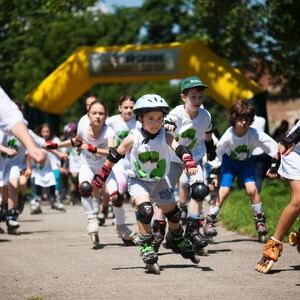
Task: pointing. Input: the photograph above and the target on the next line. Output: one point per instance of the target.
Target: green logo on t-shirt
(151, 156)
(241, 152)
(190, 135)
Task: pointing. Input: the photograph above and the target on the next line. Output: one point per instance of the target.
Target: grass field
(236, 214)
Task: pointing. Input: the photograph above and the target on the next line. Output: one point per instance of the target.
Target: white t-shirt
(101, 141)
(241, 148)
(9, 112)
(43, 174)
(120, 127)
(84, 120)
(259, 123)
(19, 159)
(149, 161)
(190, 132)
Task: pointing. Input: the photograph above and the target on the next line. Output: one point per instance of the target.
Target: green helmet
(150, 102)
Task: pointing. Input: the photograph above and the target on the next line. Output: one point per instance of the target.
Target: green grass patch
(236, 213)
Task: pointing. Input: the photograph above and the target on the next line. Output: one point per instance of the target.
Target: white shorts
(86, 173)
(159, 192)
(75, 163)
(290, 166)
(44, 179)
(10, 173)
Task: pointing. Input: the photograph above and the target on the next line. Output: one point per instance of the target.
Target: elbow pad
(114, 156)
(181, 149)
(210, 150)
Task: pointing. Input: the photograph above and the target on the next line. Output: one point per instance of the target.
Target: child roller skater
(289, 148)
(147, 150)
(93, 139)
(234, 154)
(192, 128)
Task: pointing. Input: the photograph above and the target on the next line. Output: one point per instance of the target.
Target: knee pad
(85, 189)
(117, 199)
(199, 191)
(144, 213)
(174, 215)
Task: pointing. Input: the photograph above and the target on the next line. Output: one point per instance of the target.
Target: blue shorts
(231, 168)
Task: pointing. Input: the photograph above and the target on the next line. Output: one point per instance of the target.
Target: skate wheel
(210, 239)
(202, 252)
(293, 239)
(95, 239)
(153, 268)
(261, 238)
(195, 260)
(264, 265)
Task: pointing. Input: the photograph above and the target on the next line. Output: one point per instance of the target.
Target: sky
(127, 3)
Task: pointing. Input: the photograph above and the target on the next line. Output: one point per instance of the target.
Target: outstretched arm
(20, 131)
(113, 157)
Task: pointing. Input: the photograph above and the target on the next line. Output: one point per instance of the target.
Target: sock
(257, 208)
(119, 213)
(214, 210)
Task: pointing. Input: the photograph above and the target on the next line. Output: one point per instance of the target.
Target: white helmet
(150, 102)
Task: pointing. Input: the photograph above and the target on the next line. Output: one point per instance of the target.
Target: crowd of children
(145, 152)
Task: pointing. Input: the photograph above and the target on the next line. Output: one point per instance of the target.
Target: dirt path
(53, 258)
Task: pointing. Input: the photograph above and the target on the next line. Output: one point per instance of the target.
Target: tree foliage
(36, 36)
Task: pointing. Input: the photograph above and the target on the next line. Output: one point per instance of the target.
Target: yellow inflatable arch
(131, 63)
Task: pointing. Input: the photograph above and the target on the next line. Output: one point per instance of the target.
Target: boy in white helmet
(148, 151)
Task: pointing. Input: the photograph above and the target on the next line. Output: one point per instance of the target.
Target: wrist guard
(91, 148)
(189, 163)
(100, 178)
(168, 122)
(210, 150)
(180, 150)
(213, 174)
(51, 146)
(275, 163)
(212, 128)
(113, 155)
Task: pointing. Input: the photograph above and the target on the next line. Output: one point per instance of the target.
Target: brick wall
(279, 110)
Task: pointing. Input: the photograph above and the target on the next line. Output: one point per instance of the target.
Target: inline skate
(209, 229)
(12, 222)
(35, 206)
(159, 231)
(92, 229)
(148, 253)
(57, 204)
(178, 243)
(125, 234)
(294, 239)
(192, 233)
(260, 224)
(272, 250)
